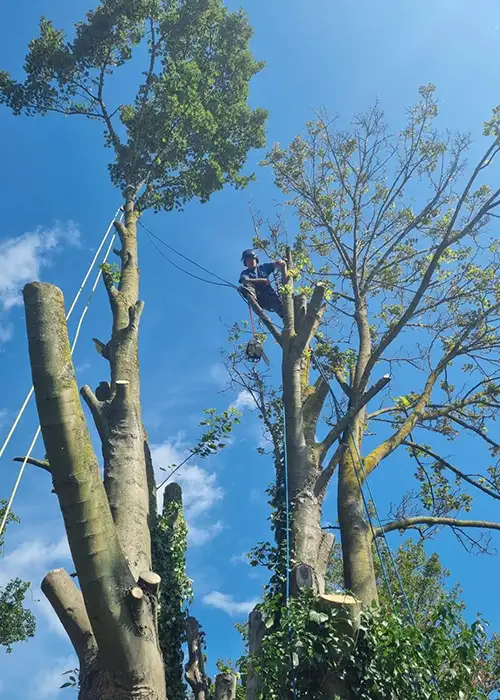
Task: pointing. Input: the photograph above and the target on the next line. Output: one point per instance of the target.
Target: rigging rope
(77, 333)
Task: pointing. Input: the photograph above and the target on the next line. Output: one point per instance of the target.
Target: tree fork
(129, 660)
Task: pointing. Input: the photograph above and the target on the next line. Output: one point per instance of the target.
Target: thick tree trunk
(126, 659)
(311, 544)
(356, 536)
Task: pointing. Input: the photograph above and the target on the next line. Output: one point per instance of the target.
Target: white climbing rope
(77, 333)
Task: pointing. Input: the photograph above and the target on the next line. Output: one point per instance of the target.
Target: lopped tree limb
(311, 320)
(430, 521)
(41, 463)
(445, 463)
(313, 406)
(96, 408)
(69, 606)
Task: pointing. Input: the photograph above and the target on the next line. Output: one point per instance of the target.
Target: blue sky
(57, 202)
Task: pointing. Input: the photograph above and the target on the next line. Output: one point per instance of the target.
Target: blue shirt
(259, 272)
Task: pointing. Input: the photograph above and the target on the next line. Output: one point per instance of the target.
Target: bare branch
(339, 428)
(307, 328)
(42, 463)
(458, 472)
(327, 473)
(431, 521)
(389, 445)
(96, 409)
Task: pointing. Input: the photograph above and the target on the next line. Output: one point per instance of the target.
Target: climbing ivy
(315, 649)
(169, 542)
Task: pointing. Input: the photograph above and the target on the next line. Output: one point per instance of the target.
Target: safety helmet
(248, 254)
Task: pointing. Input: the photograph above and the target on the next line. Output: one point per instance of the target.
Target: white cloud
(200, 490)
(225, 602)
(198, 536)
(22, 259)
(244, 400)
(219, 375)
(6, 333)
(32, 559)
(240, 558)
(47, 683)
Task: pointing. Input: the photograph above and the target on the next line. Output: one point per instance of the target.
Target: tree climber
(255, 283)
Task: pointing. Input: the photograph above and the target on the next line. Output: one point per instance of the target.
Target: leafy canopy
(189, 128)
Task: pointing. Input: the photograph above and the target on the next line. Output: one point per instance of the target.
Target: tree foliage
(188, 130)
(17, 623)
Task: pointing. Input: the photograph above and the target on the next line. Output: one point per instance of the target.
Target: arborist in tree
(255, 282)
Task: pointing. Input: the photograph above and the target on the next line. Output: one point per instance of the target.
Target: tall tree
(17, 623)
(394, 267)
(186, 134)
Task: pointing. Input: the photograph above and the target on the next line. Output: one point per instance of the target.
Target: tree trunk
(107, 525)
(195, 667)
(355, 533)
(311, 544)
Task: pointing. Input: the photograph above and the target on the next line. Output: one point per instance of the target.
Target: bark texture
(195, 667)
(112, 621)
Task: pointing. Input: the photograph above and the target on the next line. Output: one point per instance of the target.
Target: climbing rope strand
(94, 260)
(189, 260)
(68, 315)
(94, 287)
(287, 509)
(178, 267)
(30, 393)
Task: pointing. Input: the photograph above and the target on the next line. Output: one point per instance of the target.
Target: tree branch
(96, 409)
(307, 328)
(445, 463)
(389, 445)
(430, 521)
(42, 463)
(69, 606)
(339, 428)
(324, 478)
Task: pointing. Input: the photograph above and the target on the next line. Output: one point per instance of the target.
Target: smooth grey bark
(107, 524)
